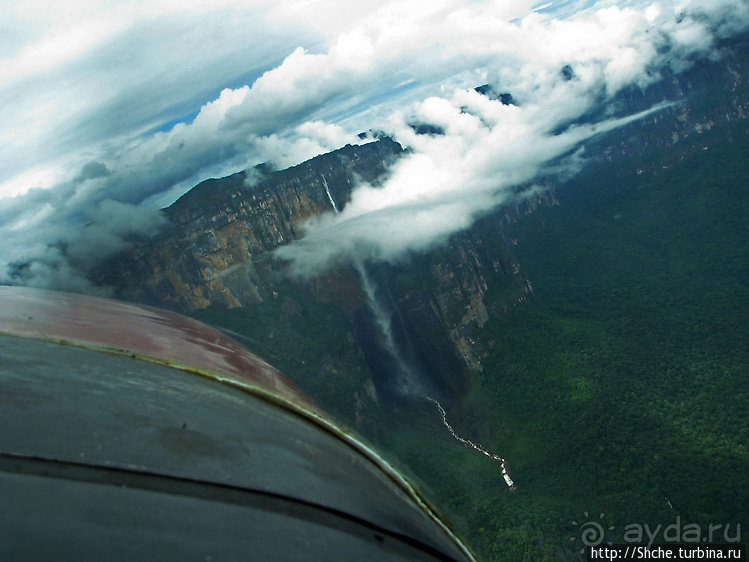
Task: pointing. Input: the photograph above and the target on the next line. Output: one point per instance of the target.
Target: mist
(104, 129)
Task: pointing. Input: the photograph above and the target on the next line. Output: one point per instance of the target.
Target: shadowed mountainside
(562, 361)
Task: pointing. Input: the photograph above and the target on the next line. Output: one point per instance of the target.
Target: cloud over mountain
(115, 109)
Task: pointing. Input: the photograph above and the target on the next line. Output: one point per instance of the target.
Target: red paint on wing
(142, 331)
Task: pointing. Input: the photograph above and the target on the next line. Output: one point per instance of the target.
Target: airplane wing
(128, 432)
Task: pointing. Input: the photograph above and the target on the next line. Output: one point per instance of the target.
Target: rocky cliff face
(708, 94)
(216, 252)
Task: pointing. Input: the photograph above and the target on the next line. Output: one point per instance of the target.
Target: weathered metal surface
(104, 455)
(142, 331)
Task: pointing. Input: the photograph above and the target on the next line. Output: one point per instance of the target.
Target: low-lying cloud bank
(392, 65)
(443, 187)
(485, 147)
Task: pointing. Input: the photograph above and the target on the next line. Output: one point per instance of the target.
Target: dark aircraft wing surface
(129, 433)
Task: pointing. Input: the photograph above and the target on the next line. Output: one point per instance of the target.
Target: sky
(113, 109)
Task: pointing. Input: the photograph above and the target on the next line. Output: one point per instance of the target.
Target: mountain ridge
(590, 402)
(217, 251)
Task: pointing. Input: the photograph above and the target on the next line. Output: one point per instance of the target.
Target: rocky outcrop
(217, 250)
(711, 92)
(217, 253)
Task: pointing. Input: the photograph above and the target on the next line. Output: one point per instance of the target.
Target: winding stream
(384, 320)
(469, 443)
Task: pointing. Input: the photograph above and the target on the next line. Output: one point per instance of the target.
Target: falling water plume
(408, 379)
(330, 196)
(408, 382)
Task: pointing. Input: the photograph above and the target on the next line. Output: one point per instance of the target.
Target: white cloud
(305, 141)
(164, 94)
(69, 94)
(442, 187)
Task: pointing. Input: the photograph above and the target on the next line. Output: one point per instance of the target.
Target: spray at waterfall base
(393, 355)
(397, 358)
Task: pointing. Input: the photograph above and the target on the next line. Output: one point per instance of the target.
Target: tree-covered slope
(622, 387)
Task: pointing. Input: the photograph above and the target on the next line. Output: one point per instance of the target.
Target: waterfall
(330, 195)
(408, 381)
(469, 443)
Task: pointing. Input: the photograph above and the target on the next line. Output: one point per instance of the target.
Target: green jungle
(618, 393)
